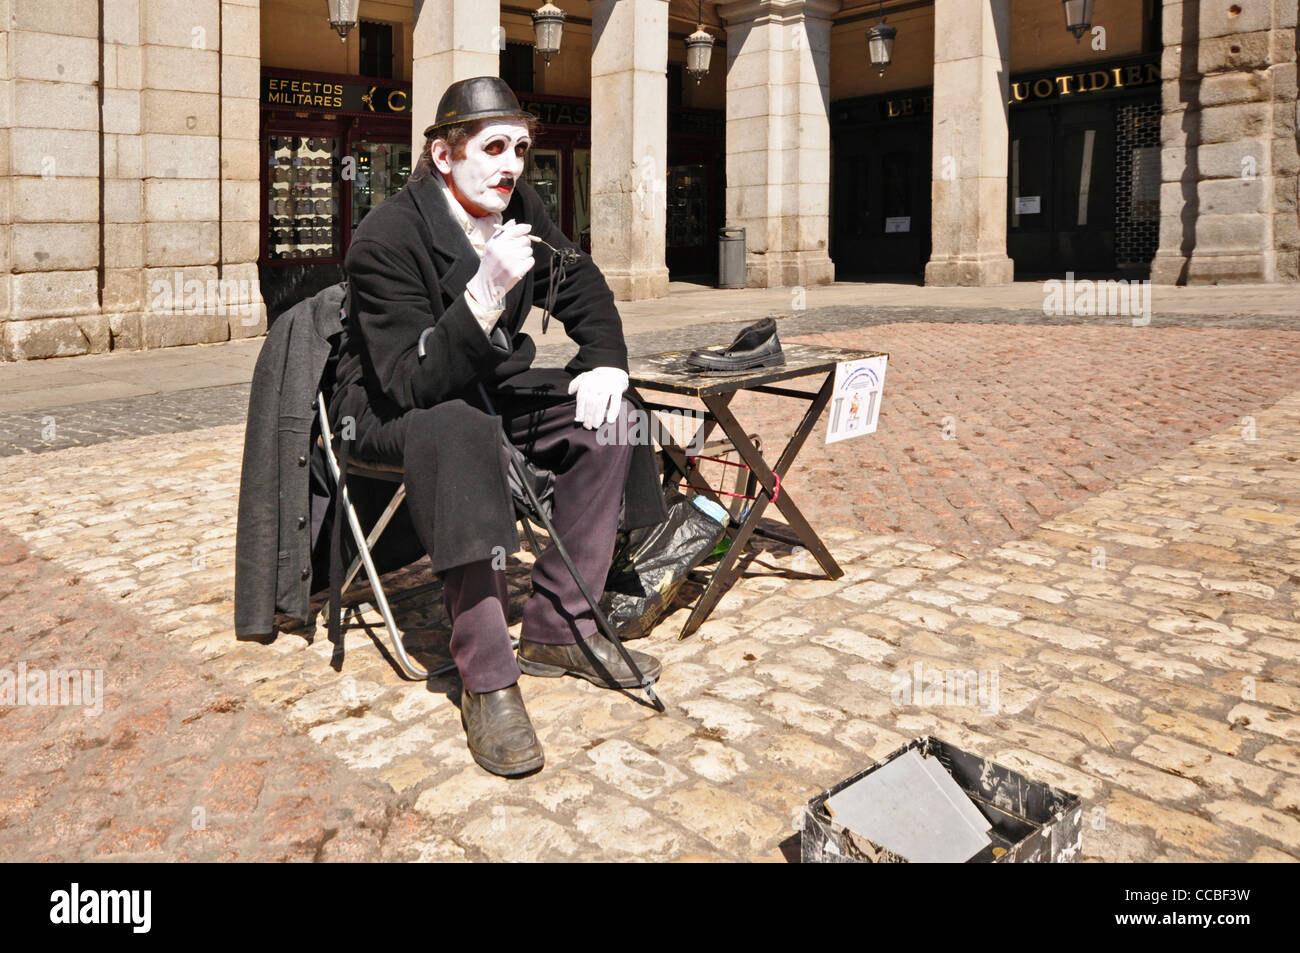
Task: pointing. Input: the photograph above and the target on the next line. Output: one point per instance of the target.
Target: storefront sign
(558, 114)
(327, 96)
(1065, 83)
(909, 106)
(1057, 84)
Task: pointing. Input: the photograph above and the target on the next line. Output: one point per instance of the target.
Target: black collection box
(1032, 822)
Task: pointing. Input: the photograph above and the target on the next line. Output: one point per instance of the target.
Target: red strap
(776, 479)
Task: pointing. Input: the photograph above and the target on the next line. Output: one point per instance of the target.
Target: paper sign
(855, 401)
(1029, 205)
(902, 223)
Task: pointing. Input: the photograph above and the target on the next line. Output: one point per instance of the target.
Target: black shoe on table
(755, 346)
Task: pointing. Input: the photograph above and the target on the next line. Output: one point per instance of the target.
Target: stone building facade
(152, 180)
(1229, 163)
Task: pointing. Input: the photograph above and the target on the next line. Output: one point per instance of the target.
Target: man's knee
(630, 427)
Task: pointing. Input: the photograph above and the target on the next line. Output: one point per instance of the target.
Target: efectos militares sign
(300, 92)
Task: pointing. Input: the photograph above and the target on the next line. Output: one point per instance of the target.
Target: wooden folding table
(667, 373)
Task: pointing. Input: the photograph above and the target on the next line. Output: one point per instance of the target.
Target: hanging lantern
(548, 25)
(699, 47)
(343, 16)
(1078, 17)
(699, 50)
(880, 45)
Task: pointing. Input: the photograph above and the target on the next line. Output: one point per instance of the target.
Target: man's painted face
(485, 179)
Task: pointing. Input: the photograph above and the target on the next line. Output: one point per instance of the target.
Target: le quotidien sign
(1055, 85)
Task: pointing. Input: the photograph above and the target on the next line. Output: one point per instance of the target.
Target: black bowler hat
(480, 97)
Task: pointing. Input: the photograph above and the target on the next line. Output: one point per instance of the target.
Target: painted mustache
(505, 182)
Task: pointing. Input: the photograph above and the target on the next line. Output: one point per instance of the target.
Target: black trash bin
(731, 257)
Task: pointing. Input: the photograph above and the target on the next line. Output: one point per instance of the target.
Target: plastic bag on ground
(649, 568)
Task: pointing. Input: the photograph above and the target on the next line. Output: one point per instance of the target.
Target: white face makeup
(485, 179)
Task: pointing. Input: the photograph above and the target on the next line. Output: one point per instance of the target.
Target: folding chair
(528, 508)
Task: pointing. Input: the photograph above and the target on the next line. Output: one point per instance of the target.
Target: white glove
(600, 393)
(507, 257)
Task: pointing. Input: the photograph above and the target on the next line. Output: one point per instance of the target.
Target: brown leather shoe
(500, 734)
(594, 659)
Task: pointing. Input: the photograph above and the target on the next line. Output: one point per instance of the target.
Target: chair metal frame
(365, 542)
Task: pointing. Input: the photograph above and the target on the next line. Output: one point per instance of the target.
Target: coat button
(306, 574)
(302, 521)
(302, 461)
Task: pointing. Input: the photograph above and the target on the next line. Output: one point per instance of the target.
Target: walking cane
(602, 623)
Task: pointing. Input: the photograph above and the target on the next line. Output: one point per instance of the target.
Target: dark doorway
(696, 184)
(880, 200)
(1061, 189)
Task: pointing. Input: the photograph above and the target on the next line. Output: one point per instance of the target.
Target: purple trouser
(589, 480)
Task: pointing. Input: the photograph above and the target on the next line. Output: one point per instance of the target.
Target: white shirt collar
(477, 230)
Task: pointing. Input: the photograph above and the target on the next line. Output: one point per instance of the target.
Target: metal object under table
(667, 373)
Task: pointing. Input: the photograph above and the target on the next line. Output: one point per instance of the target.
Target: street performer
(441, 278)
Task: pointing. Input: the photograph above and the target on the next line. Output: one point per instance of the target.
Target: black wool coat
(407, 268)
(275, 536)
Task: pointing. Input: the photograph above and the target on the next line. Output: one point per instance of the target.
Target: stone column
(629, 135)
(778, 137)
(123, 244)
(181, 119)
(969, 175)
(240, 196)
(454, 40)
(49, 173)
(1229, 164)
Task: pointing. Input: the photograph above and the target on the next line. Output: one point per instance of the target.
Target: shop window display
(302, 197)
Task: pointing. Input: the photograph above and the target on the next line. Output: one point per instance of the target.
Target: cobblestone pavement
(165, 758)
(102, 421)
(1143, 642)
(89, 422)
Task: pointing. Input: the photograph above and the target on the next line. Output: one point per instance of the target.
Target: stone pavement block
(1136, 777)
(1181, 693)
(1256, 719)
(728, 822)
(1281, 828)
(1283, 757)
(631, 771)
(802, 713)
(796, 678)
(1205, 731)
(623, 831)
(856, 643)
(515, 834)
(1172, 670)
(720, 719)
(1206, 839)
(1287, 796)
(1271, 855)
(1203, 766)
(717, 762)
(1101, 729)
